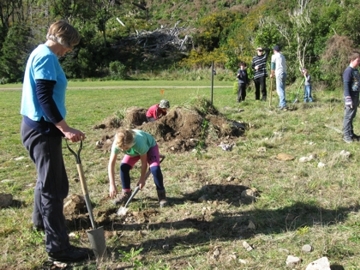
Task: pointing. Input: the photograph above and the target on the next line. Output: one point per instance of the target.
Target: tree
(14, 53)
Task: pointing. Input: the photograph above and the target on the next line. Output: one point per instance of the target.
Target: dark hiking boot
(38, 228)
(122, 198)
(355, 137)
(71, 254)
(162, 198)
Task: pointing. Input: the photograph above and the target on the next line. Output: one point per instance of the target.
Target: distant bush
(117, 70)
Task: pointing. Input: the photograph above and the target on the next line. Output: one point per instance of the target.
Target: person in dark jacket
(258, 64)
(351, 81)
(243, 81)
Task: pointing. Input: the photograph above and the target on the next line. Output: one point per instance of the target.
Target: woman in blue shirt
(42, 129)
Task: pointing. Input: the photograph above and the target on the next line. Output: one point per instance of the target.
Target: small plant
(303, 230)
(201, 143)
(132, 257)
(159, 266)
(203, 106)
(118, 118)
(120, 114)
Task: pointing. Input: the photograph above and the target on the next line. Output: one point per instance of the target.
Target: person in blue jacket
(42, 128)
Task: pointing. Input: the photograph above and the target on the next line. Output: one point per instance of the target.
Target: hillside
(190, 12)
(316, 34)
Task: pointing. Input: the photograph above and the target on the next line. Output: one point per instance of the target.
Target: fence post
(212, 82)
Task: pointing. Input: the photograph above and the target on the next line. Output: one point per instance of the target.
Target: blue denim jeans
(307, 94)
(280, 89)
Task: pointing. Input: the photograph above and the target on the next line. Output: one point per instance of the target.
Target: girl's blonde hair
(124, 138)
(63, 33)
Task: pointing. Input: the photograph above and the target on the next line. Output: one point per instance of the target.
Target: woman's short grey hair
(63, 33)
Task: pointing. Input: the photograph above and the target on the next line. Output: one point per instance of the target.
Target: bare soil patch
(182, 129)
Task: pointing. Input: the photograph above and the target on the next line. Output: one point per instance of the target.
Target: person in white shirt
(278, 69)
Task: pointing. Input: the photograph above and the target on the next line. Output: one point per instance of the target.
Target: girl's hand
(141, 183)
(112, 191)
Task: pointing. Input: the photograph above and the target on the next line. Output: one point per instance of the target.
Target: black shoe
(355, 137)
(263, 98)
(71, 254)
(38, 228)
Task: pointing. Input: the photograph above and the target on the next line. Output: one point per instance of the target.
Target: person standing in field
(157, 111)
(136, 145)
(258, 64)
(307, 86)
(351, 81)
(42, 128)
(278, 69)
(243, 81)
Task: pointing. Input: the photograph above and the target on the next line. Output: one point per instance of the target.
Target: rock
(285, 157)
(250, 194)
(242, 261)
(74, 204)
(321, 165)
(307, 248)
(203, 198)
(231, 257)
(99, 144)
(230, 178)
(216, 252)
(5, 200)
(60, 265)
(304, 159)
(320, 264)
(344, 154)
(226, 146)
(292, 261)
(251, 225)
(308, 158)
(247, 246)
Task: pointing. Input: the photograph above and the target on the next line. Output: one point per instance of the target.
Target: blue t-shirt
(143, 141)
(42, 64)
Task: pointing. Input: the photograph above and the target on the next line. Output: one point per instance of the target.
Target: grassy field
(206, 223)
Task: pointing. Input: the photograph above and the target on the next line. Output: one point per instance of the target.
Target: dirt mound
(182, 129)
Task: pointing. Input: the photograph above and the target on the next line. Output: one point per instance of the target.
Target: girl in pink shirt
(158, 110)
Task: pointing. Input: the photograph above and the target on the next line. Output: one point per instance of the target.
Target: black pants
(241, 92)
(260, 84)
(349, 116)
(52, 186)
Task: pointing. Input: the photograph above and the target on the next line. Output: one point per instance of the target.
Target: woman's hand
(74, 135)
(70, 133)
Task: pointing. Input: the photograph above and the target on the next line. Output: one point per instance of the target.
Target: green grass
(299, 203)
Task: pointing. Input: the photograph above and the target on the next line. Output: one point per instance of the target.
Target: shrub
(117, 70)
